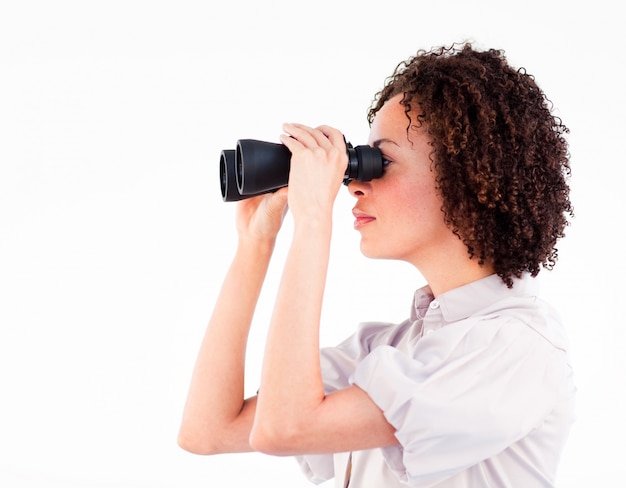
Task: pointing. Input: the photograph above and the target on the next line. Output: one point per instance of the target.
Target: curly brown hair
(500, 155)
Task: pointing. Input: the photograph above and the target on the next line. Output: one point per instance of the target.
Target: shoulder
(370, 335)
(525, 316)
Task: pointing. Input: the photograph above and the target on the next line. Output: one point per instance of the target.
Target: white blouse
(477, 384)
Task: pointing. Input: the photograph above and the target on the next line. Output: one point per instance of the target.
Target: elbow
(195, 444)
(192, 444)
(276, 439)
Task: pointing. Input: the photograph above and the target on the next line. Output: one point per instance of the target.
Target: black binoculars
(257, 167)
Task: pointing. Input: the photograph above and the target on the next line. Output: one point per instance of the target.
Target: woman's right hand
(260, 217)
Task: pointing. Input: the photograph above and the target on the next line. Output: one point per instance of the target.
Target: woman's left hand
(318, 165)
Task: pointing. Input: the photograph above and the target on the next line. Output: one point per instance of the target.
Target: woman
(474, 388)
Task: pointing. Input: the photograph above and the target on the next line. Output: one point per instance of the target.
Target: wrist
(318, 217)
(255, 247)
(313, 228)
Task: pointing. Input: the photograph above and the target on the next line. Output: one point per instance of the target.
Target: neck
(442, 282)
(451, 269)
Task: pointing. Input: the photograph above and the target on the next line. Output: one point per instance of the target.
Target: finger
(308, 136)
(291, 142)
(277, 201)
(335, 136)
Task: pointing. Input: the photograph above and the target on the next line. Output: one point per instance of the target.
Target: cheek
(416, 200)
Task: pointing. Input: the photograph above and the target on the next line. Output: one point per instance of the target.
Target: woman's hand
(318, 164)
(260, 218)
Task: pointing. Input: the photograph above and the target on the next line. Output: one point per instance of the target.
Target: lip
(361, 218)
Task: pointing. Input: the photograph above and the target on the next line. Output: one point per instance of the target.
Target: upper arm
(345, 420)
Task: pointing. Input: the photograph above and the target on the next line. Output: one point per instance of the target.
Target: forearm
(291, 385)
(216, 418)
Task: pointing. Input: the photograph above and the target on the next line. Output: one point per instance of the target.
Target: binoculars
(257, 167)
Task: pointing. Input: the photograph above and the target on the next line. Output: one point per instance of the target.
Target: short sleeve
(338, 365)
(317, 467)
(463, 394)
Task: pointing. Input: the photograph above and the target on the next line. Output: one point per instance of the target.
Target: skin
(398, 216)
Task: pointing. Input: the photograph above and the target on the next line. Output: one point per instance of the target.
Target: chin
(372, 252)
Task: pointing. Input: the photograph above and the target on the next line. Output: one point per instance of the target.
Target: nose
(358, 188)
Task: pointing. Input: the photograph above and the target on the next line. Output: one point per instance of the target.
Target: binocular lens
(228, 178)
(257, 167)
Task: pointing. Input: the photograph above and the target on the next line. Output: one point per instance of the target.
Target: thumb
(277, 202)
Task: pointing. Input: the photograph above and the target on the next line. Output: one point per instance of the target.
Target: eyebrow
(378, 142)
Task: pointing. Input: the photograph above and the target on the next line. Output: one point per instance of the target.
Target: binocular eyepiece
(257, 167)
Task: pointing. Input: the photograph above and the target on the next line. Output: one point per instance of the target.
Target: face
(399, 215)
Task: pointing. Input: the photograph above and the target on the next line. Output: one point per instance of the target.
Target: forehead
(391, 109)
(391, 122)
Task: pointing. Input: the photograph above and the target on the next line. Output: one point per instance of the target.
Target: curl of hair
(500, 156)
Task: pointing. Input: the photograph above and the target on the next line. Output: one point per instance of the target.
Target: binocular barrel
(257, 167)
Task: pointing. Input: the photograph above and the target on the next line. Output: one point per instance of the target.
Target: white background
(114, 238)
